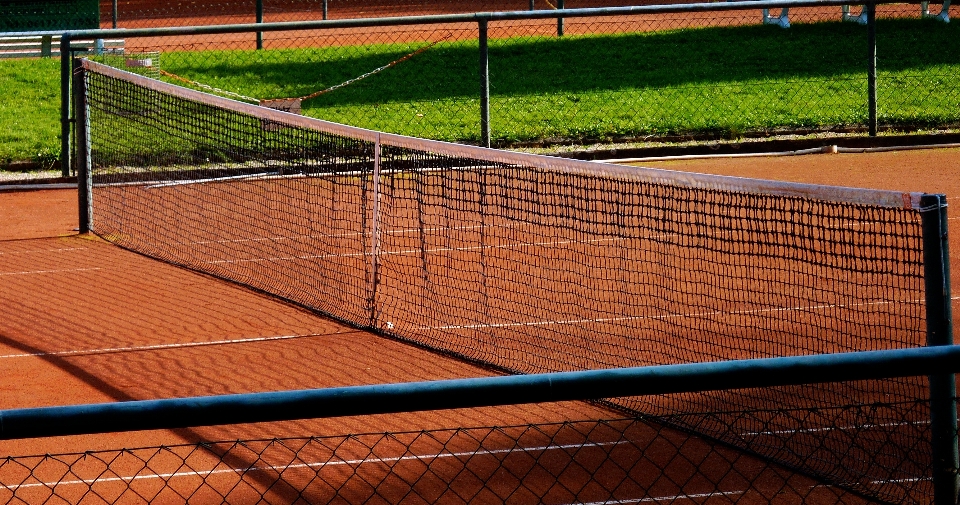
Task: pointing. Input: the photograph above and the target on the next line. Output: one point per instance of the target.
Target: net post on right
(943, 391)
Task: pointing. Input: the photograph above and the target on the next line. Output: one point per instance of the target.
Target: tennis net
(534, 264)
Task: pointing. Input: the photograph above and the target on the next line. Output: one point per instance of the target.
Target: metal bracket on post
(943, 390)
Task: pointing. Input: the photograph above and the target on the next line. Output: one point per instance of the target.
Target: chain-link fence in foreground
(607, 461)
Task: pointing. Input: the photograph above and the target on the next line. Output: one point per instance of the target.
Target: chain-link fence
(710, 72)
(150, 13)
(38, 15)
(688, 74)
(607, 461)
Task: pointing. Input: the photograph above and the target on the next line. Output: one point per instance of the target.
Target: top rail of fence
(462, 18)
(41, 33)
(476, 392)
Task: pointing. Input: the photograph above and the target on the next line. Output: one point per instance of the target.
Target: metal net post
(943, 392)
(84, 172)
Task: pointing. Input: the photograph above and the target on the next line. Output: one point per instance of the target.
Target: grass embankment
(714, 80)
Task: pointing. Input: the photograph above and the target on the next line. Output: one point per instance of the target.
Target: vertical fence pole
(65, 68)
(259, 21)
(871, 9)
(84, 163)
(115, 13)
(560, 19)
(484, 85)
(943, 391)
(532, 7)
(325, 9)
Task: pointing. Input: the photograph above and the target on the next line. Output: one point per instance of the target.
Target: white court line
(420, 251)
(43, 251)
(273, 176)
(669, 316)
(881, 482)
(351, 462)
(183, 345)
(726, 493)
(517, 245)
(254, 176)
(402, 231)
(662, 498)
(31, 272)
(833, 428)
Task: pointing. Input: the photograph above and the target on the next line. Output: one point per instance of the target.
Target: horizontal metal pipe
(472, 18)
(477, 392)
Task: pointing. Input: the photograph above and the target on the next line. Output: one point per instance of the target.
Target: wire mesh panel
(699, 74)
(608, 461)
(695, 75)
(535, 264)
(151, 13)
(32, 15)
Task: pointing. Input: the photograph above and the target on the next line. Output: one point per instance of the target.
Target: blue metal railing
(476, 392)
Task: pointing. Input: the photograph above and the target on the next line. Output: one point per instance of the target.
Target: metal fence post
(871, 9)
(559, 19)
(114, 12)
(325, 9)
(46, 46)
(66, 58)
(84, 164)
(484, 85)
(259, 21)
(943, 392)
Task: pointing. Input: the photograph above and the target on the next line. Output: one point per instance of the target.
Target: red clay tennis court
(96, 322)
(143, 329)
(133, 344)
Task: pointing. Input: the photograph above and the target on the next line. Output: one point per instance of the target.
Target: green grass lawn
(722, 81)
(30, 110)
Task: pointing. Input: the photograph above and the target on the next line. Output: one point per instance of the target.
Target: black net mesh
(530, 264)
